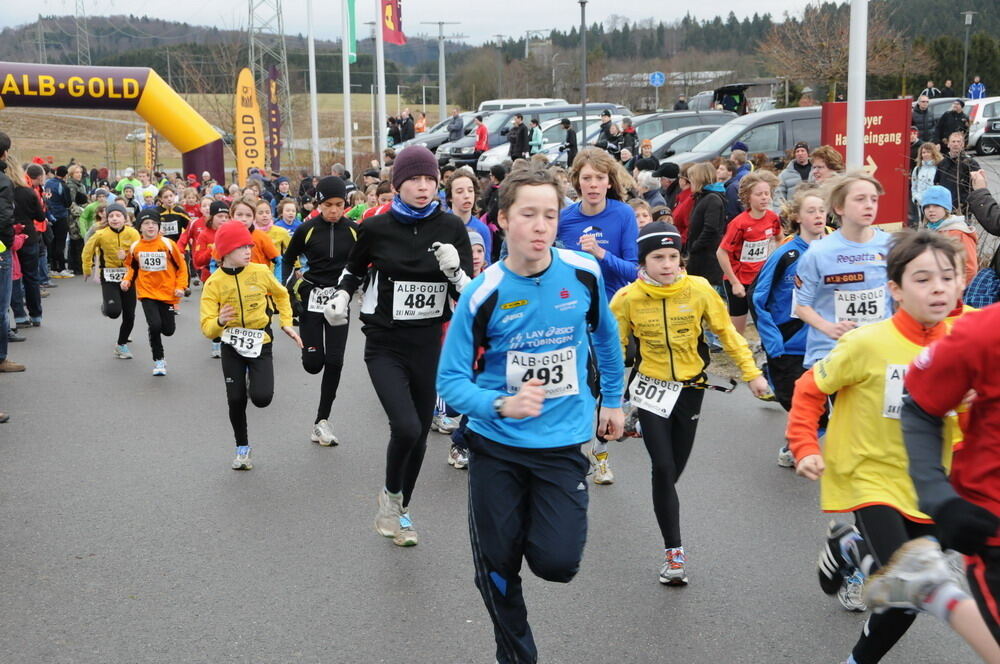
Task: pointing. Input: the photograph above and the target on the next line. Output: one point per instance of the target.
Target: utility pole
(40, 37)
(442, 86)
(383, 130)
(500, 64)
(965, 59)
(82, 36)
(313, 112)
(857, 68)
(582, 138)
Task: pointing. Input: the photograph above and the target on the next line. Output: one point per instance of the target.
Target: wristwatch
(498, 405)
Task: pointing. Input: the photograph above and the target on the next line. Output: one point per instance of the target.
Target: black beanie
(148, 213)
(657, 235)
(331, 187)
(216, 207)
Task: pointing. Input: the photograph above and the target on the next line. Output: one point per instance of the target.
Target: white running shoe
(390, 509)
(672, 570)
(242, 460)
(916, 570)
(160, 368)
(444, 424)
(122, 352)
(216, 349)
(852, 593)
(602, 472)
(407, 535)
(458, 457)
(323, 434)
(785, 458)
(67, 273)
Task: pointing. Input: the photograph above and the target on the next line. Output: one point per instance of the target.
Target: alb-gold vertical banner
(250, 151)
(151, 149)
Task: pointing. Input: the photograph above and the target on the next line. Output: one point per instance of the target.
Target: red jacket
(482, 139)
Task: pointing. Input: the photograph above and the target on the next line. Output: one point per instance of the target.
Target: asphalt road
(125, 536)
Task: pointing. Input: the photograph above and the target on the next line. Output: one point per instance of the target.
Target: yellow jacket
(105, 245)
(251, 291)
(668, 321)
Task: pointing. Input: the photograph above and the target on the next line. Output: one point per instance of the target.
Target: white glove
(451, 267)
(336, 311)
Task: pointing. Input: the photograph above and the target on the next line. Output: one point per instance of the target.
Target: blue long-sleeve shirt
(977, 91)
(781, 332)
(617, 232)
(543, 327)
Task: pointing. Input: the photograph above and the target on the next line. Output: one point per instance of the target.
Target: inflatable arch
(138, 89)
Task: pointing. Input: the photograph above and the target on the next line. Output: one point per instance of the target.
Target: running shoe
(66, 274)
(832, 565)
(602, 472)
(956, 563)
(915, 571)
(216, 349)
(444, 424)
(785, 458)
(672, 570)
(406, 535)
(160, 368)
(768, 397)
(122, 352)
(242, 460)
(851, 593)
(323, 434)
(458, 457)
(390, 509)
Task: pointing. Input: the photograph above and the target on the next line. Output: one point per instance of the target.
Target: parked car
(979, 112)
(772, 132)
(680, 140)
(654, 124)
(989, 142)
(499, 123)
(552, 137)
(438, 134)
(503, 104)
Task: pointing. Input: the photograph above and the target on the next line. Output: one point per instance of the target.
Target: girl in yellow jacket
(236, 306)
(666, 311)
(106, 251)
(156, 268)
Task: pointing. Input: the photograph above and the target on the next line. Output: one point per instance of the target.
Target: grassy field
(97, 137)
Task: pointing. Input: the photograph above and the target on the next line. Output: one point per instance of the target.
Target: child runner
(936, 208)
(264, 222)
(236, 306)
(155, 266)
(749, 239)
(666, 311)
(530, 408)
(863, 465)
(408, 277)
(110, 247)
(326, 241)
(288, 215)
(782, 334)
(602, 225)
(264, 252)
(643, 213)
(173, 219)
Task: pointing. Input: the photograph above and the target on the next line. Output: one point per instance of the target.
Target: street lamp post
(583, 71)
(965, 59)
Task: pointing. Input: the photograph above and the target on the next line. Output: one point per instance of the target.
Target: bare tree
(212, 77)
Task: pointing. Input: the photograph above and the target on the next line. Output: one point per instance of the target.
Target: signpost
(657, 79)
(886, 149)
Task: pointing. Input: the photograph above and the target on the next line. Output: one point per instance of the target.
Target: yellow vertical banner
(151, 149)
(249, 141)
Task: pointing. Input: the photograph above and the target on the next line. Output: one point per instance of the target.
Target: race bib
(319, 298)
(169, 227)
(860, 306)
(153, 261)
(416, 300)
(654, 395)
(892, 401)
(555, 368)
(755, 252)
(247, 343)
(114, 274)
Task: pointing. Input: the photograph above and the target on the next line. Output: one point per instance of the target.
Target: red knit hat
(231, 235)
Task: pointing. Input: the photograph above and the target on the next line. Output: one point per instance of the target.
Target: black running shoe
(832, 566)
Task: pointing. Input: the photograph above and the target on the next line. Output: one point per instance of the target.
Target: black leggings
(161, 321)
(57, 255)
(669, 442)
(251, 377)
(323, 350)
(884, 530)
(119, 303)
(402, 364)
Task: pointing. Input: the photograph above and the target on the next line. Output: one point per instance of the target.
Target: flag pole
(313, 111)
(383, 131)
(346, 66)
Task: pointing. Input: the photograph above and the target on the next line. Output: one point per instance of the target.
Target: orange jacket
(263, 251)
(156, 284)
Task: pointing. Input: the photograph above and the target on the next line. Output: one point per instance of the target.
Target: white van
(503, 104)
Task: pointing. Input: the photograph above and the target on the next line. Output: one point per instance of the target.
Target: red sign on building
(887, 149)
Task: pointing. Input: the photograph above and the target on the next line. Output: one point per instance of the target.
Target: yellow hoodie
(251, 291)
(667, 322)
(105, 245)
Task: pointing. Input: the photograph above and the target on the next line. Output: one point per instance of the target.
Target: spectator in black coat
(518, 138)
(954, 172)
(952, 121)
(569, 142)
(923, 120)
(681, 104)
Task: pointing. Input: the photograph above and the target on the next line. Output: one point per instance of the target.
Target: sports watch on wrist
(498, 405)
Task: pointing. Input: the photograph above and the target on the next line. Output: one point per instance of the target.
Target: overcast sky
(478, 19)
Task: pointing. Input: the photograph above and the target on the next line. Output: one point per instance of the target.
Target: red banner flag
(392, 23)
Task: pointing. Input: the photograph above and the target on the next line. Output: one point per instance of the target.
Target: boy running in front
(530, 408)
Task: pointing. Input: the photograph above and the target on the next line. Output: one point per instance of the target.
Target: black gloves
(964, 526)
